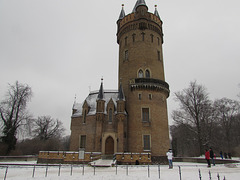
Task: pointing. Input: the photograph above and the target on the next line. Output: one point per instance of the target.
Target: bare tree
(227, 111)
(184, 140)
(13, 113)
(195, 111)
(45, 127)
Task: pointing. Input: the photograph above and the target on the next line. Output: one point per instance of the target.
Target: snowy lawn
(189, 171)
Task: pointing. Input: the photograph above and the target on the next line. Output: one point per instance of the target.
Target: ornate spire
(122, 13)
(74, 103)
(139, 3)
(101, 92)
(156, 12)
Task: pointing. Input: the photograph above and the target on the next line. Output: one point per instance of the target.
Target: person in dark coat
(221, 154)
(207, 157)
(212, 156)
(225, 155)
(229, 155)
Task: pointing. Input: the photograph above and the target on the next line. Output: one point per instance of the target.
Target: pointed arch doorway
(109, 146)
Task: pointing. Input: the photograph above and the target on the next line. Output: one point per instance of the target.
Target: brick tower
(141, 74)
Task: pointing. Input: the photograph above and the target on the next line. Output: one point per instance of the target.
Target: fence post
(180, 172)
(5, 177)
(116, 169)
(210, 176)
(94, 168)
(71, 169)
(200, 176)
(46, 171)
(148, 171)
(127, 169)
(218, 176)
(59, 169)
(159, 171)
(33, 170)
(83, 170)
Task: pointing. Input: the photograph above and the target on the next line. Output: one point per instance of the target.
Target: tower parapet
(131, 22)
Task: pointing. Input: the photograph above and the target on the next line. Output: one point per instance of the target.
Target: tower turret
(156, 12)
(122, 13)
(141, 70)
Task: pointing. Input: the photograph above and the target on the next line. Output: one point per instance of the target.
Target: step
(103, 163)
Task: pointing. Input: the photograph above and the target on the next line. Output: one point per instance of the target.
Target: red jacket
(207, 155)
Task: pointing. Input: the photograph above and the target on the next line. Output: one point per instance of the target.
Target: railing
(67, 157)
(41, 171)
(133, 158)
(149, 83)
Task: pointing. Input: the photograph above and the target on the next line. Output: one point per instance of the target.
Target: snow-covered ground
(189, 171)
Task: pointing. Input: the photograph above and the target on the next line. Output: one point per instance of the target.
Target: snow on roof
(77, 105)
(92, 102)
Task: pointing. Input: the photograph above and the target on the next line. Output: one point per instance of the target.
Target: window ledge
(146, 123)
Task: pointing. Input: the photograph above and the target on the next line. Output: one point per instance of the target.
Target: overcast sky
(63, 47)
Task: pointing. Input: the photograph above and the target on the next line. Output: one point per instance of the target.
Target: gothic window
(147, 73)
(145, 114)
(143, 34)
(151, 38)
(83, 141)
(110, 115)
(158, 41)
(150, 96)
(140, 73)
(133, 37)
(139, 96)
(125, 41)
(84, 116)
(159, 55)
(126, 55)
(146, 142)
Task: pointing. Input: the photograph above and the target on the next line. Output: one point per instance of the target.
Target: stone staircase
(105, 161)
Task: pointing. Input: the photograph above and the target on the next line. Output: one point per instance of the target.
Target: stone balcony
(149, 84)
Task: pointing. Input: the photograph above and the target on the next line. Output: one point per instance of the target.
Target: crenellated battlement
(130, 22)
(130, 17)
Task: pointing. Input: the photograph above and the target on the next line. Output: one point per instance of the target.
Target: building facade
(134, 117)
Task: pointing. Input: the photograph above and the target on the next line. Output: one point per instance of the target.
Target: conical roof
(156, 12)
(121, 93)
(122, 13)
(139, 3)
(101, 92)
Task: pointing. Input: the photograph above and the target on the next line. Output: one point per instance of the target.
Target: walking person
(225, 155)
(221, 154)
(170, 157)
(207, 157)
(212, 156)
(229, 155)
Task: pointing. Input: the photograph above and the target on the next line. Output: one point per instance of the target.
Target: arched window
(126, 55)
(140, 73)
(133, 37)
(151, 37)
(147, 73)
(110, 115)
(84, 116)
